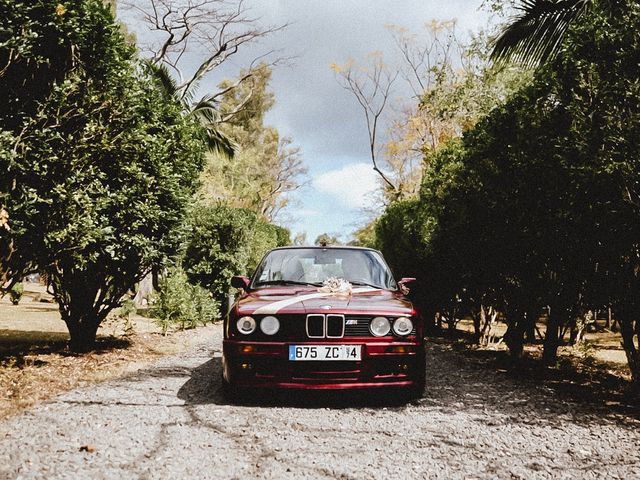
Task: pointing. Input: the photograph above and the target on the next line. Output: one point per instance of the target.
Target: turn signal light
(400, 349)
(247, 349)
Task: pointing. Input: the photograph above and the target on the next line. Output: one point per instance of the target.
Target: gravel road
(170, 421)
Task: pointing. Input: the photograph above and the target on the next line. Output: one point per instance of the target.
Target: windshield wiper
(364, 284)
(287, 282)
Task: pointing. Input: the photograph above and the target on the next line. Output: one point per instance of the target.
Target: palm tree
(535, 35)
(204, 110)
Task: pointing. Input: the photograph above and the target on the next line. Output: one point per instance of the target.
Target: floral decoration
(339, 286)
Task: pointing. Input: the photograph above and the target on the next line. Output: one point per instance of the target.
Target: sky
(312, 108)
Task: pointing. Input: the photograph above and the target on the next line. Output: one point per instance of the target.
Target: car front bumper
(267, 365)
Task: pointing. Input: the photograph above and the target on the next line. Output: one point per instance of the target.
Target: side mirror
(240, 281)
(402, 284)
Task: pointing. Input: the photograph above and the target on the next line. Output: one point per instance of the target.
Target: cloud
(350, 185)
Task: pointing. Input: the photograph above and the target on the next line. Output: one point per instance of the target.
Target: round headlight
(380, 326)
(269, 325)
(402, 326)
(246, 325)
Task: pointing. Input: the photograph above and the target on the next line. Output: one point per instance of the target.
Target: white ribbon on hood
(275, 307)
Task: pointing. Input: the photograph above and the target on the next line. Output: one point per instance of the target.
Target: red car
(323, 318)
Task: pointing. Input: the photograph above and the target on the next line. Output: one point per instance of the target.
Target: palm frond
(217, 142)
(206, 110)
(207, 113)
(534, 36)
(161, 75)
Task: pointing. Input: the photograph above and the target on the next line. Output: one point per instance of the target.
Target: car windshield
(312, 266)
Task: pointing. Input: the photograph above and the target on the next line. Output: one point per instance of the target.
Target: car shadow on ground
(456, 381)
(205, 387)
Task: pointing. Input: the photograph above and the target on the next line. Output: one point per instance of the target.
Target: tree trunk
(551, 340)
(514, 338)
(578, 326)
(438, 317)
(488, 317)
(82, 333)
(530, 327)
(477, 322)
(574, 328)
(430, 325)
(451, 319)
(530, 332)
(631, 328)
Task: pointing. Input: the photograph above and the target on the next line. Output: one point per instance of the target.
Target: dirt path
(170, 421)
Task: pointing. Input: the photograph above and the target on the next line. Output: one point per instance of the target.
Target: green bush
(181, 304)
(15, 294)
(125, 311)
(283, 236)
(226, 241)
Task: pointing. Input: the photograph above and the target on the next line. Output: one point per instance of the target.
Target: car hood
(365, 301)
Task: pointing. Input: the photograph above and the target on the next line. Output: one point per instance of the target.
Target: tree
(536, 35)
(224, 241)
(267, 168)
(212, 31)
(300, 239)
(29, 67)
(595, 82)
(204, 111)
(453, 85)
(372, 87)
(599, 72)
(325, 239)
(104, 168)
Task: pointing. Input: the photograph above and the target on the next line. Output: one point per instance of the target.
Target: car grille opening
(335, 326)
(315, 326)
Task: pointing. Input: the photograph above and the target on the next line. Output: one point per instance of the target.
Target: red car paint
(259, 360)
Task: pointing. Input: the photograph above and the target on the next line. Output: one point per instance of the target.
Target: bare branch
(214, 29)
(372, 89)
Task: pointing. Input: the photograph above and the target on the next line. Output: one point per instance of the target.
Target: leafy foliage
(182, 304)
(103, 169)
(16, 292)
(205, 111)
(538, 205)
(226, 241)
(266, 167)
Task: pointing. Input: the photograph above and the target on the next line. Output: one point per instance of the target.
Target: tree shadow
(205, 387)
(567, 387)
(18, 346)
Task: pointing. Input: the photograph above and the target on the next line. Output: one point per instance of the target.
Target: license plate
(324, 352)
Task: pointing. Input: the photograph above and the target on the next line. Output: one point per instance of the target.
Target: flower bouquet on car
(336, 286)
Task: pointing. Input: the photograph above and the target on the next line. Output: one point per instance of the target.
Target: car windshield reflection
(312, 266)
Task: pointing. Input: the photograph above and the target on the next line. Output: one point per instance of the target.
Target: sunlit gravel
(170, 421)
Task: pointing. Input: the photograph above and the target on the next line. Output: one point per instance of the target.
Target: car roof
(328, 247)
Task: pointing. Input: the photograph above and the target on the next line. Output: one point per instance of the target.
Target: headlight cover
(380, 326)
(402, 326)
(269, 325)
(246, 325)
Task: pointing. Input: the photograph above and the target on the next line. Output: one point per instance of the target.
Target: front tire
(417, 391)
(230, 392)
